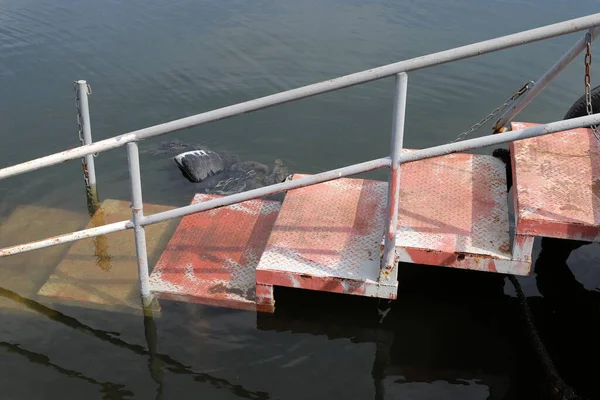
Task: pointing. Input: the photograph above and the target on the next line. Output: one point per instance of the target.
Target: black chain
(497, 111)
(587, 80)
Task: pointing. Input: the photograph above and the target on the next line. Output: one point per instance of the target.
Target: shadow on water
(567, 318)
(458, 334)
(108, 389)
(156, 361)
(432, 342)
(451, 334)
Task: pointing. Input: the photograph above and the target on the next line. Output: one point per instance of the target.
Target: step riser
(327, 284)
(464, 261)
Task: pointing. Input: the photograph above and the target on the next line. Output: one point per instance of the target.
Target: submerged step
(25, 273)
(557, 184)
(101, 272)
(212, 256)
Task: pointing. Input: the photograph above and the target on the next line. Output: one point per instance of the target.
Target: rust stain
(596, 188)
(221, 288)
(570, 207)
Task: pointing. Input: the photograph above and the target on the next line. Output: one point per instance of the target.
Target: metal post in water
(389, 272)
(133, 157)
(85, 136)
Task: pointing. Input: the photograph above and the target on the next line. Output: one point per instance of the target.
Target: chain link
(80, 133)
(587, 80)
(497, 111)
(79, 123)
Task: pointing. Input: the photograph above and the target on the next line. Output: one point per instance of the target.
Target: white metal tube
(67, 238)
(543, 81)
(459, 53)
(86, 128)
(389, 272)
(138, 215)
(491, 140)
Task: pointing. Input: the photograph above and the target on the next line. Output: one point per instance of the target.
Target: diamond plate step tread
(454, 212)
(326, 238)
(557, 184)
(101, 272)
(212, 257)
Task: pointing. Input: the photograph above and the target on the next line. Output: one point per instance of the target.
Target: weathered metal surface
(102, 272)
(557, 184)
(454, 212)
(522, 247)
(83, 117)
(389, 261)
(137, 209)
(458, 53)
(327, 237)
(265, 300)
(212, 256)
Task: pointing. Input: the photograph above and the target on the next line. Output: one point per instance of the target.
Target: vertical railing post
(138, 214)
(389, 272)
(82, 90)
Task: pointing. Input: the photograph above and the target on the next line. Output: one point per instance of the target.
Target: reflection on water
(156, 361)
(450, 333)
(109, 390)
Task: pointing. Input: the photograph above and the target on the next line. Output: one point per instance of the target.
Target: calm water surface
(451, 334)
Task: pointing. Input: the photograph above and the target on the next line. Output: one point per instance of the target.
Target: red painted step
(557, 184)
(212, 256)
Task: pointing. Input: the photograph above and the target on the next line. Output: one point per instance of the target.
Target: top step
(557, 184)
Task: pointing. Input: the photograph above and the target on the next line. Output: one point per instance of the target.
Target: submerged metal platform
(557, 184)
(101, 272)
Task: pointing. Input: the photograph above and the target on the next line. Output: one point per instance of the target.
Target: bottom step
(212, 257)
(102, 272)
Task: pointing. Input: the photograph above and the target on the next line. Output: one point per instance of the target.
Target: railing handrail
(432, 59)
(416, 155)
